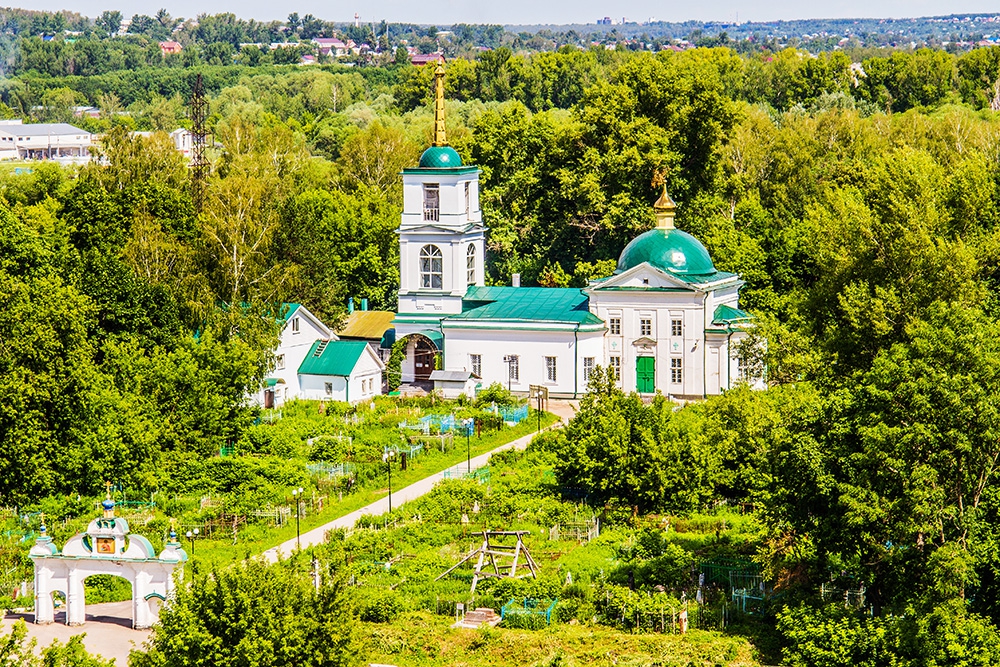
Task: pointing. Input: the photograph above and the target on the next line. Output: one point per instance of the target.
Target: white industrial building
(44, 141)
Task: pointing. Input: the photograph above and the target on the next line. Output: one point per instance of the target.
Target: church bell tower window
(432, 202)
(470, 265)
(431, 267)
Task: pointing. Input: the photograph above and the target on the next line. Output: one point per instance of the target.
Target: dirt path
(108, 630)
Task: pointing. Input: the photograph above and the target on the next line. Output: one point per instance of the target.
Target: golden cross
(107, 485)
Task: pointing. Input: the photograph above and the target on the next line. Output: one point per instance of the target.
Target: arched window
(470, 265)
(430, 267)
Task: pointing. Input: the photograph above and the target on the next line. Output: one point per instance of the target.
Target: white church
(666, 320)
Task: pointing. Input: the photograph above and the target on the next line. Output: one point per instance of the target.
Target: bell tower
(441, 233)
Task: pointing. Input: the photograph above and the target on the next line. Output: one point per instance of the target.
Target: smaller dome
(108, 504)
(440, 157)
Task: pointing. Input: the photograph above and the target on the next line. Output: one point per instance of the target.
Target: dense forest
(860, 202)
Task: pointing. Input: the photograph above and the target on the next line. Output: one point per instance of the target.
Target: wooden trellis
(496, 552)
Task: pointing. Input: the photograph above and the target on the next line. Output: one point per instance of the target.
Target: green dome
(440, 157)
(669, 250)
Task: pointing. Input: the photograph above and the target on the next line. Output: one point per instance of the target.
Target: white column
(76, 601)
(44, 610)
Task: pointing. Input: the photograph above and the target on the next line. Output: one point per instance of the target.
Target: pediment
(643, 276)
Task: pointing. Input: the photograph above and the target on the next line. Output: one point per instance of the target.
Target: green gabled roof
(332, 357)
(725, 315)
(526, 304)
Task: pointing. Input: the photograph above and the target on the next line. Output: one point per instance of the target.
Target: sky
(447, 12)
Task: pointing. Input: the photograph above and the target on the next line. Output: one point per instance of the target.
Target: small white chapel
(665, 321)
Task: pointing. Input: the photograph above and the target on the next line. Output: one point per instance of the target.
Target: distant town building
(427, 59)
(44, 141)
(331, 46)
(166, 48)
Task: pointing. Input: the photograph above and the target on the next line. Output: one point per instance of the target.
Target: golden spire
(664, 209)
(439, 137)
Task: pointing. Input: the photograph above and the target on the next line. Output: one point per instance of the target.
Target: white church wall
(531, 347)
(661, 308)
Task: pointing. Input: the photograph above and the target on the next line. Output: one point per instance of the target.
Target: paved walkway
(562, 409)
(108, 630)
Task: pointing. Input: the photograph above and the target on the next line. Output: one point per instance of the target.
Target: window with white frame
(432, 202)
(279, 362)
(615, 364)
(513, 367)
(645, 326)
(295, 325)
(468, 200)
(588, 368)
(676, 371)
(431, 267)
(676, 327)
(550, 369)
(470, 265)
(615, 326)
(328, 388)
(476, 364)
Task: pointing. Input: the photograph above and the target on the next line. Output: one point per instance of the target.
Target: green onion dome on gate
(667, 248)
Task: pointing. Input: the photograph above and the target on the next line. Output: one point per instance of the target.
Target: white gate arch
(106, 548)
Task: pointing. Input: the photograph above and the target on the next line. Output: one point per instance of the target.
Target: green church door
(645, 375)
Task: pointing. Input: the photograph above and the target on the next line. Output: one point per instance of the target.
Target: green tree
(254, 615)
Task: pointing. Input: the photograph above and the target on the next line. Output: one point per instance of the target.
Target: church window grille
(295, 325)
(646, 326)
(279, 362)
(468, 200)
(588, 368)
(550, 369)
(328, 388)
(615, 362)
(431, 267)
(615, 324)
(676, 327)
(513, 367)
(470, 265)
(432, 202)
(676, 371)
(476, 361)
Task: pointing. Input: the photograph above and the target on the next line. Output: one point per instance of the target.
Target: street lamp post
(297, 497)
(468, 423)
(191, 535)
(387, 457)
(539, 410)
(509, 360)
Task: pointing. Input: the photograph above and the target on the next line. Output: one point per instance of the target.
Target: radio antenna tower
(199, 139)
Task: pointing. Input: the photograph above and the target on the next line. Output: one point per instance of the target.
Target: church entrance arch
(422, 350)
(106, 548)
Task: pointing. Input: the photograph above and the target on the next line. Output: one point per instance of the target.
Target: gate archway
(106, 548)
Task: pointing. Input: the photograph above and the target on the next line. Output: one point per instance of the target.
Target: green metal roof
(526, 304)
(332, 357)
(725, 315)
(286, 311)
(440, 157)
(668, 250)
